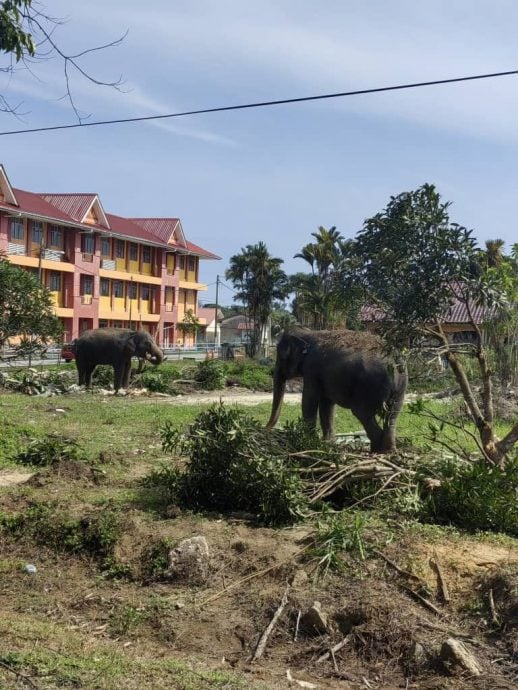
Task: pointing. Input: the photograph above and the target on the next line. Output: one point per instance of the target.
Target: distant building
(103, 269)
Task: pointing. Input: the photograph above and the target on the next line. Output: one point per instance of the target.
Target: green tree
(413, 264)
(26, 309)
(190, 323)
(321, 301)
(27, 35)
(259, 280)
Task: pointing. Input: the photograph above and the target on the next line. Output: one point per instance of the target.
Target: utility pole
(216, 334)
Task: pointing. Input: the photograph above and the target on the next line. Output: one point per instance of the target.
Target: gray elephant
(115, 346)
(345, 368)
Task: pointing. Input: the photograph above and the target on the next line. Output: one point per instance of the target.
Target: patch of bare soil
(14, 477)
(383, 621)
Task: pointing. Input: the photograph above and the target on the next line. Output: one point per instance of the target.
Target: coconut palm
(258, 280)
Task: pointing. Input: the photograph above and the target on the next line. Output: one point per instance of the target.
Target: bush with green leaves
(47, 524)
(251, 374)
(103, 375)
(230, 468)
(50, 450)
(476, 496)
(211, 374)
(338, 534)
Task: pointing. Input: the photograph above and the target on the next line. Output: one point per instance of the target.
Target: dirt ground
(386, 617)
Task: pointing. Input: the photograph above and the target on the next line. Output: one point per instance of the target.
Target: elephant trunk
(155, 356)
(279, 387)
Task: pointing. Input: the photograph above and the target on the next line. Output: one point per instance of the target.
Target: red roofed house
(102, 269)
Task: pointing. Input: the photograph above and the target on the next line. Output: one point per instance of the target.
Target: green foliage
(250, 374)
(25, 307)
(155, 558)
(338, 534)
(476, 496)
(103, 375)
(47, 524)
(211, 374)
(13, 36)
(190, 323)
(412, 257)
(229, 468)
(321, 302)
(258, 280)
(50, 450)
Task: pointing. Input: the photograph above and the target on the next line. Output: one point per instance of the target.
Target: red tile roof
(33, 204)
(203, 253)
(456, 313)
(162, 228)
(71, 208)
(74, 205)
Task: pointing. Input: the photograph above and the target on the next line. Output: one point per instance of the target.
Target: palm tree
(320, 299)
(259, 280)
(493, 254)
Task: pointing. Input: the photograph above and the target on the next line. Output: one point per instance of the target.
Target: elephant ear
(131, 346)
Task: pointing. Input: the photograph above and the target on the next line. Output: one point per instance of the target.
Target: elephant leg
(326, 411)
(372, 428)
(87, 374)
(118, 375)
(310, 400)
(126, 374)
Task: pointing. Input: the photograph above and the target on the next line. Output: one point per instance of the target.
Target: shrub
(103, 375)
(93, 534)
(229, 467)
(476, 496)
(251, 374)
(50, 450)
(210, 374)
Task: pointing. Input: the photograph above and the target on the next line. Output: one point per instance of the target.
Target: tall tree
(320, 299)
(414, 264)
(27, 34)
(259, 280)
(26, 308)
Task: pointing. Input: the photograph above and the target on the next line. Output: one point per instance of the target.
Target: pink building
(102, 269)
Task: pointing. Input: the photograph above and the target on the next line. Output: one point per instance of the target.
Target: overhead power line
(263, 104)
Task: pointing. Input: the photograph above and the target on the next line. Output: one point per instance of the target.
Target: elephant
(115, 346)
(346, 368)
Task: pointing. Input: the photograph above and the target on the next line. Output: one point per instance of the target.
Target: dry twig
(263, 640)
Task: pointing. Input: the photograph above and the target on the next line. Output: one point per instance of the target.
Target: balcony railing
(53, 254)
(109, 264)
(18, 249)
(86, 256)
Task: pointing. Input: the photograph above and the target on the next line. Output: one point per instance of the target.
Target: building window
(17, 229)
(55, 237)
(87, 244)
(120, 249)
(104, 287)
(146, 255)
(144, 292)
(182, 262)
(55, 281)
(103, 323)
(88, 285)
(132, 291)
(37, 232)
(106, 247)
(192, 263)
(133, 252)
(118, 288)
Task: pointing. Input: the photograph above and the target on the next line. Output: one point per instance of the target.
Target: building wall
(116, 282)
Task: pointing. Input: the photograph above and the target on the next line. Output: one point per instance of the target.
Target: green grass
(127, 427)
(34, 648)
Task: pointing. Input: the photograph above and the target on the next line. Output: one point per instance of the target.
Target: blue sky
(276, 174)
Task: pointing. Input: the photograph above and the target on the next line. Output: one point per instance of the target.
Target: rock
(189, 561)
(299, 579)
(454, 653)
(314, 620)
